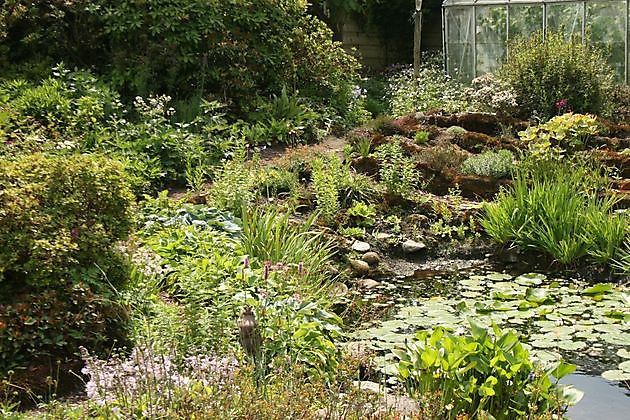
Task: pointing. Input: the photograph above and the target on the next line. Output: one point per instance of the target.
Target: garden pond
(588, 325)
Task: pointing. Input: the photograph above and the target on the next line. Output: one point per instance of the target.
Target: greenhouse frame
(476, 33)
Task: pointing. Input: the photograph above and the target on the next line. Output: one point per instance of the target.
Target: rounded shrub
(60, 218)
(552, 75)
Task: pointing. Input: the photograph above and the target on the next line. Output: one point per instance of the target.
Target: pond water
(588, 325)
(601, 399)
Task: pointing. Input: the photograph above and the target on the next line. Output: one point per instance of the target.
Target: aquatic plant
(482, 373)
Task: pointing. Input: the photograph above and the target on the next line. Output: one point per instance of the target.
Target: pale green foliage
(493, 164)
(432, 90)
(234, 186)
(562, 133)
(326, 184)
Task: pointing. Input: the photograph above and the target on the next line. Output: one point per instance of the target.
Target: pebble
(360, 267)
(368, 283)
(360, 246)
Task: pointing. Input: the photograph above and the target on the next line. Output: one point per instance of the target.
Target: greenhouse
(477, 32)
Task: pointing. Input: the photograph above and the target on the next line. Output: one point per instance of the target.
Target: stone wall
(374, 53)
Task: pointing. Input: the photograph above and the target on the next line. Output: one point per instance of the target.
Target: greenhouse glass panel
(525, 19)
(606, 29)
(477, 32)
(491, 36)
(460, 45)
(566, 18)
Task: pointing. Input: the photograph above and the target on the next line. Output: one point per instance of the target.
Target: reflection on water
(602, 399)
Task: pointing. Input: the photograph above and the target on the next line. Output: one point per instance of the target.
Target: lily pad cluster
(554, 316)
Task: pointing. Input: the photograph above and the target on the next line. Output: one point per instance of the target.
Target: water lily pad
(530, 279)
(538, 295)
(543, 344)
(498, 277)
(625, 366)
(598, 289)
(571, 345)
(616, 375)
(623, 353)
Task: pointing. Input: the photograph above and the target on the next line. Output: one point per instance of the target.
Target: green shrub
(285, 119)
(233, 50)
(277, 180)
(397, 171)
(493, 164)
(491, 375)
(327, 174)
(233, 186)
(59, 220)
(63, 111)
(551, 208)
(552, 75)
(421, 137)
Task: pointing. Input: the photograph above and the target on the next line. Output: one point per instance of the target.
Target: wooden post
(417, 37)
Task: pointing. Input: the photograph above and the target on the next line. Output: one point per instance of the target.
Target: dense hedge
(552, 75)
(230, 49)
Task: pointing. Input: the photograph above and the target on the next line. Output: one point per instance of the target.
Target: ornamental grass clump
(557, 208)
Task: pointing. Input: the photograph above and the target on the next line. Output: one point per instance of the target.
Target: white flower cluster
(145, 375)
(492, 94)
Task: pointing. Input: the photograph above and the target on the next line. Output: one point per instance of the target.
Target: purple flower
(563, 105)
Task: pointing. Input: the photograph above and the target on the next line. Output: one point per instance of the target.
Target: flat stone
(371, 258)
(383, 236)
(368, 283)
(411, 246)
(360, 246)
(360, 267)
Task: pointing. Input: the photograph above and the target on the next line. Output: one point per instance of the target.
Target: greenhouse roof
(448, 3)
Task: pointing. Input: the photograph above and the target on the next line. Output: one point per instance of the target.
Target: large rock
(411, 246)
(360, 267)
(360, 246)
(371, 258)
